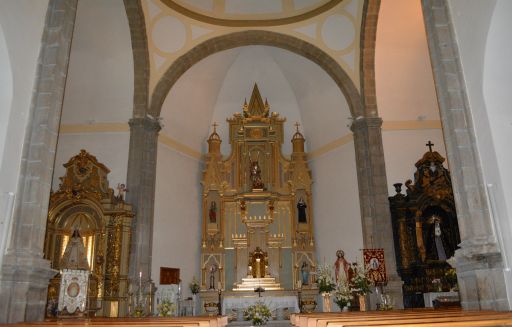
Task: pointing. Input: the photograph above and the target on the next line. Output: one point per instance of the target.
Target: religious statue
(121, 190)
(301, 210)
(304, 272)
(257, 183)
(213, 213)
(213, 270)
(441, 244)
(341, 266)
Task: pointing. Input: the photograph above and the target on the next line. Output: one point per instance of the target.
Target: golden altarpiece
(257, 222)
(85, 203)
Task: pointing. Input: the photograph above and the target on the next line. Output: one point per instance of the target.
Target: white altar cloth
(272, 302)
(430, 297)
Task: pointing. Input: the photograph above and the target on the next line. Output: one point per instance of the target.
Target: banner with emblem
(375, 266)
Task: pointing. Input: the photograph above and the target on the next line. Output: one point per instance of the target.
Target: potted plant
(258, 313)
(450, 276)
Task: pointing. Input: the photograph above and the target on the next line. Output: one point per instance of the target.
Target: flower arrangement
(360, 283)
(166, 308)
(450, 276)
(436, 282)
(139, 311)
(324, 279)
(194, 286)
(258, 313)
(342, 294)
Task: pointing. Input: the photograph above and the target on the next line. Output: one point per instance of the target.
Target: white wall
(99, 88)
(21, 28)
(336, 205)
(111, 149)
(405, 88)
(177, 224)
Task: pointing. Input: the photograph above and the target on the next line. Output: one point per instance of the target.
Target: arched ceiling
(250, 12)
(215, 88)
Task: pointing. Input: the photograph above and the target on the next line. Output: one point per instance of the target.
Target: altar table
(431, 296)
(272, 302)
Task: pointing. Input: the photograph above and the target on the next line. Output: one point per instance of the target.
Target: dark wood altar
(425, 228)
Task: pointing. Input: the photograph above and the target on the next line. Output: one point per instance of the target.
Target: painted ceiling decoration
(176, 26)
(251, 13)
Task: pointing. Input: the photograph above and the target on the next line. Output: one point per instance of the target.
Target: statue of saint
(256, 175)
(213, 213)
(213, 270)
(304, 272)
(341, 266)
(301, 210)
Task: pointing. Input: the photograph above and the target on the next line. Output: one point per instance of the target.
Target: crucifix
(430, 145)
(259, 289)
(215, 126)
(297, 126)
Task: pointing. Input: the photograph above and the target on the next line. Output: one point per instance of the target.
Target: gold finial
(215, 126)
(297, 126)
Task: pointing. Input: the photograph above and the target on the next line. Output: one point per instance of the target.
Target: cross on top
(215, 126)
(297, 126)
(430, 145)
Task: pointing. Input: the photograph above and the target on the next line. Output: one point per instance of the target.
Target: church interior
(199, 159)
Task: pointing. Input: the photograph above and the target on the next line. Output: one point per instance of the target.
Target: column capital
(365, 122)
(149, 124)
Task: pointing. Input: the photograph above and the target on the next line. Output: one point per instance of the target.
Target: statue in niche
(213, 212)
(341, 266)
(257, 183)
(301, 210)
(441, 241)
(213, 269)
(304, 272)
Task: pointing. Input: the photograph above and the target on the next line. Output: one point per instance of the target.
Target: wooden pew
(200, 321)
(433, 321)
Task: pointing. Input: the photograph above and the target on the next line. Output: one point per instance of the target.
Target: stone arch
(256, 37)
(139, 40)
(367, 59)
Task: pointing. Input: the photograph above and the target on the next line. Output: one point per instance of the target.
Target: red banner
(375, 266)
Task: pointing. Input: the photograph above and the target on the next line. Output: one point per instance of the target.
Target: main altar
(257, 213)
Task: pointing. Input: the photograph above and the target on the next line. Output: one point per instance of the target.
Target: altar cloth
(272, 302)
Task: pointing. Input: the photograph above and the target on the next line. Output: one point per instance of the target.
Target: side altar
(257, 221)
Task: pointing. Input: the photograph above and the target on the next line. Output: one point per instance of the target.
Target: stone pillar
(24, 273)
(373, 197)
(141, 185)
(478, 262)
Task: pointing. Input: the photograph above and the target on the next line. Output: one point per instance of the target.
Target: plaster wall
(177, 224)
(99, 89)
(336, 205)
(405, 89)
(111, 149)
(482, 30)
(497, 83)
(21, 28)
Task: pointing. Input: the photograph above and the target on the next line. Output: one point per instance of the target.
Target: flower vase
(326, 298)
(362, 303)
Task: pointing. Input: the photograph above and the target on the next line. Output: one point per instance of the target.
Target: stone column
(373, 196)
(478, 261)
(24, 273)
(141, 185)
